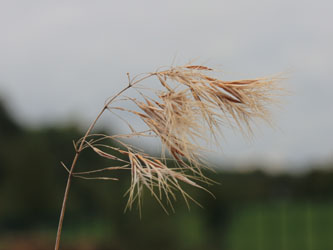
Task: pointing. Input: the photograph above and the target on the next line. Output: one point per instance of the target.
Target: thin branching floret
(191, 107)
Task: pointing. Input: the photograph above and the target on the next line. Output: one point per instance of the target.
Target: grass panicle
(189, 107)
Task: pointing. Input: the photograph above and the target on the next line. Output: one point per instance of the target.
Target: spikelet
(192, 106)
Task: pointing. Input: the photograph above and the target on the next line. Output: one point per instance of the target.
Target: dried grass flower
(189, 107)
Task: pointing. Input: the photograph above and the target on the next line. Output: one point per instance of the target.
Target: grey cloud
(57, 56)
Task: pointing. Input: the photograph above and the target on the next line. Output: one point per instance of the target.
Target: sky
(60, 60)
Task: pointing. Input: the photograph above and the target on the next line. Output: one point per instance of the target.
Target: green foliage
(282, 225)
(251, 210)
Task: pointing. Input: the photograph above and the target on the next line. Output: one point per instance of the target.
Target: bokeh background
(60, 60)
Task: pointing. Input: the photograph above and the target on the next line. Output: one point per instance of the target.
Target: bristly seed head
(191, 106)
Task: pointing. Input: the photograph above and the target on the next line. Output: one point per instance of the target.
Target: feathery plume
(192, 105)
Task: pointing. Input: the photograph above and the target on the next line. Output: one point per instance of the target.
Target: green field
(282, 226)
(274, 225)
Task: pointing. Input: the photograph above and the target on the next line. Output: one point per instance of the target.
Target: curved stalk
(76, 157)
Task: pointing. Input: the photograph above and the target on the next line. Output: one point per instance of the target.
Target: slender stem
(63, 208)
(78, 151)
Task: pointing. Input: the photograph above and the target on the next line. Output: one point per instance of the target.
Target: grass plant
(187, 107)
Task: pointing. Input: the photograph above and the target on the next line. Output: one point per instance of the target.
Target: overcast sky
(59, 60)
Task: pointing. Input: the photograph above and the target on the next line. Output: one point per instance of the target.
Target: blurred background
(59, 62)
